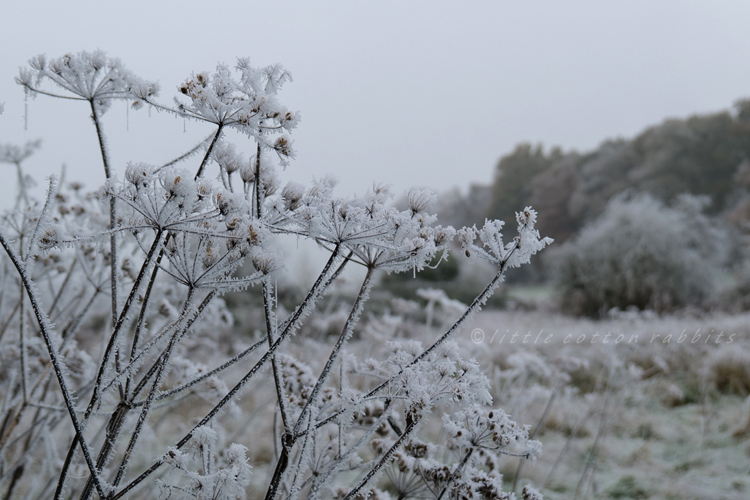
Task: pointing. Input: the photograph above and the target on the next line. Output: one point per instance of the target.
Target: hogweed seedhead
(176, 243)
(90, 76)
(246, 102)
(507, 255)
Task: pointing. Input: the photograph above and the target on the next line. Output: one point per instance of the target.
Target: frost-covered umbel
(121, 375)
(87, 76)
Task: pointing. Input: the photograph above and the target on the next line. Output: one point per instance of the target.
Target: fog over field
(392, 250)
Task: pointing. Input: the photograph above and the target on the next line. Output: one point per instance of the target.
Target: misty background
(419, 93)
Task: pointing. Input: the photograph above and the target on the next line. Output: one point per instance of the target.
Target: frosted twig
(47, 330)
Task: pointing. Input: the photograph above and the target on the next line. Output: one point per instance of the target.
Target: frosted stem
(208, 152)
(46, 330)
(301, 310)
(383, 460)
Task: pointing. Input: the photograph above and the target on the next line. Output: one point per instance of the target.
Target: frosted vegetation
(122, 375)
(635, 406)
(641, 254)
(655, 222)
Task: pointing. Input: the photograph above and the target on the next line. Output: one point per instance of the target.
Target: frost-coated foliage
(643, 254)
(121, 374)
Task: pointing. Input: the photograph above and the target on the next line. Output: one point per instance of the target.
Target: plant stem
(291, 326)
(46, 330)
(475, 305)
(538, 426)
(105, 361)
(208, 152)
(383, 460)
(152, 393)
(268, 313)
(112, 209)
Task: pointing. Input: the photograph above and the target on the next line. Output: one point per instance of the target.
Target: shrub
(728, 369)
(627, 487)
(642, 254)
(122, 375)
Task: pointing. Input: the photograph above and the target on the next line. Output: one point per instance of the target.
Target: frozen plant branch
(162, 364)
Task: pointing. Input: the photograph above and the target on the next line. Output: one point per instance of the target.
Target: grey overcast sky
(427, 93)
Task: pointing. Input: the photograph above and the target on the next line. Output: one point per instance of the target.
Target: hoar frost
(128, 331)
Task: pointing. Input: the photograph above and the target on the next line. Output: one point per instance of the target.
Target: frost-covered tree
(644, 254)
(121, 375)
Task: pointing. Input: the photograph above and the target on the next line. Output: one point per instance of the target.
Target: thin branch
(291, 325)
(46, 330)
(50, 94)
(206, 375)
(142, 315)
(456, 473)
(533, 434)
(185, 156)
(346, 332)
(105, 361)
(208, 152)
(475, 305)
(163, 363)
(269, 316)
(383, 460)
